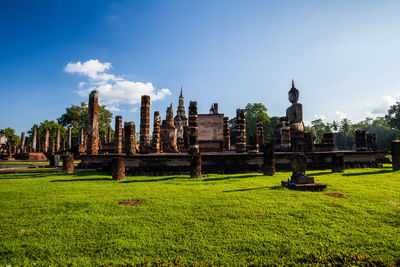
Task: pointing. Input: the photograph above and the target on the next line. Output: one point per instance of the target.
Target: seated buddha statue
(294, 113)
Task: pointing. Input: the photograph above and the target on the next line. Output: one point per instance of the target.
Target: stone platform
(227, 162)
(314, 187)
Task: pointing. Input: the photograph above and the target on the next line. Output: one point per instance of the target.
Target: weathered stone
(260, 134)
(93, 123)
(52, 148)
(299, 166)
(68, 162)
(168, 133)
(227, 135)
(155, 142)
(361, 141)
(396, 155)
(58, 141)
(240, 131)
(55, 160)
(308, 142)
(195, 165)
(118, 169)
(34, 140)
(46, 141)
(253, 143)
(130, 138)
(214, 109)
(145, 124)
(193, 128)
(297, 141)
(69, 141)
(338, 162)
(23, 148)
(118, 134)
(211, 132)
(268, 159)
(371, 142)
(181, 122)
(295, 112)
(109, 139)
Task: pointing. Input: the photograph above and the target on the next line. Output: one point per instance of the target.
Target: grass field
(57, 219)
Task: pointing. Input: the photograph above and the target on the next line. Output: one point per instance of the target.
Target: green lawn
(57, 219)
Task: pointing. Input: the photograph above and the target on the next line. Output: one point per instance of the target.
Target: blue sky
(343, 55)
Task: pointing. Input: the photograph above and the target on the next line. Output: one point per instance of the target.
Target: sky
(343, 56)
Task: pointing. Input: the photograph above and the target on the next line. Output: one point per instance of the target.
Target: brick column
(260, 134)
(93, 126)
(118, 134)
(268, 160)
(155, 143)
(69, 141)
(227, 134)
(58, 141)
(34, 140)
(240, 131)
(145, 124)
(130, 138)
(68, 162)
(193, 128)
(118, 169)
(338, 162)
(23, 142)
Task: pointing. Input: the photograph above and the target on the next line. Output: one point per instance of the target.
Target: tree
(393, 116)
(253, 113)
(345, 128)
(11, 136)
(319, 128)
(76, 117)
(52, 126)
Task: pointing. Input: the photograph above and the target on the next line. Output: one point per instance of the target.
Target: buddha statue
(294, 113)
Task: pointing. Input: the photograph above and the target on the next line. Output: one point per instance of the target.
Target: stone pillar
(227, 134)
(93, 123)
(46, 141)
(82, 137)
(195, 165)
(118, 169)
(69, 141)
(396, 155)
(109, 135)
(55, 160)
(118, 134)
(268, 160)
(155, 143)
(252, 148)
(260, 134)
(34, 140)
(285, 134)
(361, 141)
(338, 162)
(22, 142)
(52, 146)
(68, 162)
(193, 128)
(58, 141)
(130, 138)
(27, 145)
(240, 131)
(145, 124)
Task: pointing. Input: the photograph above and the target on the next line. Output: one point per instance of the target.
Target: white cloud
(320, 116)
(113, 90)
(339, 115)
(382, 106)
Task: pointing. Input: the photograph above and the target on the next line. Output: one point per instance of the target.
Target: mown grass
(58, 219)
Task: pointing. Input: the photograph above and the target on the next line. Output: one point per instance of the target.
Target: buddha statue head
(293, 94)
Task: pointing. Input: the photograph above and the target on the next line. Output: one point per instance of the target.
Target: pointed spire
(171, 105)
(293, 84)
(181, 95)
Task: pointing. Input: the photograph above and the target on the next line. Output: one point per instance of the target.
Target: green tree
(10, 135)
(345, 128)
(76, 117)
(52, 126)
(393, 116)
(319, 128)
(253, 113)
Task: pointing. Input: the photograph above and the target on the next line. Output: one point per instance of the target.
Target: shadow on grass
(227, 178)
(84, 174)
(251, 189)
(318, 173)
(26, 175)
(152, 180)
(367, 173)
